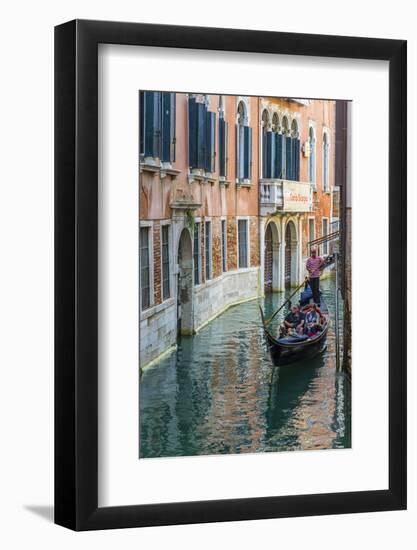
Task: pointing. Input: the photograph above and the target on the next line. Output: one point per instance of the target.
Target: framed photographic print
(230, 264)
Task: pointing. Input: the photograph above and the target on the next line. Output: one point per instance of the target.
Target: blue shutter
(268, 171)
(192, 132)
(201, 135)
(273, 153)
(264, 154)
(288, 154)
(168, 126)
(142, 123)
(226, 148)
(152, 124)
(173, 133)
(247, 152)
(210, 141)
(222, 147)
(238, 175)
(278, 156)
(297, 159)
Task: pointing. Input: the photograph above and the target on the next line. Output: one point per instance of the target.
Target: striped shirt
(313, 266)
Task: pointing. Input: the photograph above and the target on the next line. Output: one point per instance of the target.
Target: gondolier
(314, 266)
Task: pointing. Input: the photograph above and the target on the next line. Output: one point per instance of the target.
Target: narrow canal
(218, 393)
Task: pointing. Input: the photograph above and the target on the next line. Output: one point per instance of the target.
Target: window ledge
(173, 172)
(244, 183)
(153, 309)
(155, 166)
(149, 167)
(223, 182)
(210, 178)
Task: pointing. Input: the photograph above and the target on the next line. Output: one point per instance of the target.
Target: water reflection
(220, 394)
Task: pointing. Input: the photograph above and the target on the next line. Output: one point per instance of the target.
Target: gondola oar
(266, 323)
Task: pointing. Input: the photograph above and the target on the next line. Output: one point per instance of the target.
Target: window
(325, 234)
(295, 152)
(243, 145)
(207, 237)
(224, 246)
(223, 145)
(311, 230)
(325, 162)
(145, 276)
(158, 119)
(312, 157)
(277, 145)
(201, 136)
(165, 262)
(243, 243)
(197, 253)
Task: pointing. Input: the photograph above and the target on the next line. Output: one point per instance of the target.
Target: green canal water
(218, 393)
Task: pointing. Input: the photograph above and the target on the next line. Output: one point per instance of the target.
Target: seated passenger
(294, 321)
(313, 321)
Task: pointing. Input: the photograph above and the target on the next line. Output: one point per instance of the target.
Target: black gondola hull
(286, 354)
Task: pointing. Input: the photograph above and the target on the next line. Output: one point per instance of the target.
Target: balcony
(277, 195)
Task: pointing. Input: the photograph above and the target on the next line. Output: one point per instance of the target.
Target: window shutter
(288, 156)
(226, 148)
(192, 132)
(247, 152)
(168, 126)
(173, 144)
(142, 123)
(269, 149)
(273, 153)
(210, 141)
(264, 154)
(201, 135)
(222, 147)
(238, 176)
(278, 156)
(152, 124)
(297, 159)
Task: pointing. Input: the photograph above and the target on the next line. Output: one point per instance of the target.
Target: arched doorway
(291, 249)
(271, 259)
(185, 284)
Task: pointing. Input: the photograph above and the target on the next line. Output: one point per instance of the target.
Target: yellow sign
(297, 196)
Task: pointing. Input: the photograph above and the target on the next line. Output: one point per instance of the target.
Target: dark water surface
(218, 393)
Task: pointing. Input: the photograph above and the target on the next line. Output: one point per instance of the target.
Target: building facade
(232, 188)
(296, 148)
(199, 232)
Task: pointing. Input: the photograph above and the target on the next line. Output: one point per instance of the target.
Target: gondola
(291, 349)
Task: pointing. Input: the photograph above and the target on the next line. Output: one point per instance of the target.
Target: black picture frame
(76, 272)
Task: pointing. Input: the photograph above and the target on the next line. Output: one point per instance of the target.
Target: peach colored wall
(156, 193)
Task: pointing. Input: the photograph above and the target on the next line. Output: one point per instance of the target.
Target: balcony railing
(284, 196)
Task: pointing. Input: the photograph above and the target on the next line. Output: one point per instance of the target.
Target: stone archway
(185, 294)
(291, 255)
(271, 259)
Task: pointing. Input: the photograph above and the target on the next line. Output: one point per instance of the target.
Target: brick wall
(231, 243)
(157, 262)
(217, 247)
(254, 241)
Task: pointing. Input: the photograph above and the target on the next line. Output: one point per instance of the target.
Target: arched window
(312, 157)
(325, 161)
(243, 145)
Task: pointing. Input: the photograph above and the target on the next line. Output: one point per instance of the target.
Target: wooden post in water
(336, 264)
